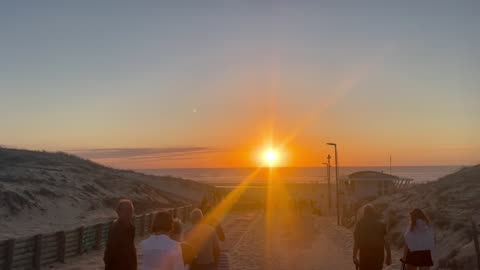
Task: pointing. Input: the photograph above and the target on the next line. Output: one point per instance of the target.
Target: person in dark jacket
(120, 252)
(370, 240)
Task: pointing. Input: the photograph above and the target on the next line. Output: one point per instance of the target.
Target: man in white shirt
(159, 251)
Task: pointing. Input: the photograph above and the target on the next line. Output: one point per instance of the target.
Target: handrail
(42, 249)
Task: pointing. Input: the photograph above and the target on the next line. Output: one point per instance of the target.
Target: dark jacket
(120, 252)
(370, 235)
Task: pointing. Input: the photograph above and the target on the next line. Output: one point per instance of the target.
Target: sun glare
(270, 157)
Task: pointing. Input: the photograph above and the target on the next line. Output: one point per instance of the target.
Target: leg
(425, 268)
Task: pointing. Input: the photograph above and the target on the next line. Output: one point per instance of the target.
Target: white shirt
(161, 253)
(421, 238)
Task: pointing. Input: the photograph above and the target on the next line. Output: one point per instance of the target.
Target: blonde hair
(196, 216)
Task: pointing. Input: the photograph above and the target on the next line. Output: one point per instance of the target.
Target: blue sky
(393, 77)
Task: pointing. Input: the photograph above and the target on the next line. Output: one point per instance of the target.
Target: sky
(161, 85)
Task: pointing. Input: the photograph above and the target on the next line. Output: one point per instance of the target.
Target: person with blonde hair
(203, 238)
(419, 242)
(177, 230)
(120, 252)
(160, 252)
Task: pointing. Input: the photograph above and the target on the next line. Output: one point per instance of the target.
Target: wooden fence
(43, 249)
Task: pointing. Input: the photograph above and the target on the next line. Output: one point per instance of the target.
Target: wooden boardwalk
(234, 230)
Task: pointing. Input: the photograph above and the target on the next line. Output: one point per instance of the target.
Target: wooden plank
(24, 242)
(23, 250)
(23, 263)
(19, 257)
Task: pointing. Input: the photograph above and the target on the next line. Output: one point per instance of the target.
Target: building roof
(372, 175)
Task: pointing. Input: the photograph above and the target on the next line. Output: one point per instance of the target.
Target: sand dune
(450, 202)
(46, 192)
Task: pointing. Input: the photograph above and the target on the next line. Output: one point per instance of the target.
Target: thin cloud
(142, 153)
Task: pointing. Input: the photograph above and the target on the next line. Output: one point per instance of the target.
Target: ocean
(231, 176)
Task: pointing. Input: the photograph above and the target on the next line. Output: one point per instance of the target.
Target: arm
(386, 244)
(356, 249)
(220, 233)
(388, 259)
(216, 249)
(110, 248)
(355, 252)
(405, 252)
(133, 249)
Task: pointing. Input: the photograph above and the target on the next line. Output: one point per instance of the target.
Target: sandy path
(305, 243)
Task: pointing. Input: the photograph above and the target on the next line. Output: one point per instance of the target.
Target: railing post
(81, 231)
(9, 254)
(475, 241)
(98, 236)
(37, 254)
(61, 246)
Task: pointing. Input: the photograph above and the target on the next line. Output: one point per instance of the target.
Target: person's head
(416, 215)
(162, 223)
(176, 233)
(369, 212)
(196, 216)
(125, 210)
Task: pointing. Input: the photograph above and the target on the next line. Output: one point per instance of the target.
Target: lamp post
(329, 185)
(336, 181)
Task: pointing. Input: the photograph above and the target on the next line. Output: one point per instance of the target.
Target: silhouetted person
(120, 252)
(159, 251)
(419, 242)
(370, 241)
(203, 238)
(215, 223)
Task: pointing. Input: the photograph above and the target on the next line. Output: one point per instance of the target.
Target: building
(370, 184)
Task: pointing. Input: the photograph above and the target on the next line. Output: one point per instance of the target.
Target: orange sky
(213, 87)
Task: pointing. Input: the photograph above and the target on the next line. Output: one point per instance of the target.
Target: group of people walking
(372, 249)
(168, 247)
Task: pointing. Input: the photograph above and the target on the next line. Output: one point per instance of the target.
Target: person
(176, 234)
(215, 223)
(203, 239)
(370, 242)
(177, 230)
(159, 251)
(419, 242)
(120, 252)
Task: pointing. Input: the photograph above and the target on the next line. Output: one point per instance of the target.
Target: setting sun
(271, 157)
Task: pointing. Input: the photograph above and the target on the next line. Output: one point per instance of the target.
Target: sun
(270, 157)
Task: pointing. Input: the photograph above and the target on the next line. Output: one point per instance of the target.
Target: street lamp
(329, 186)
(336, 181)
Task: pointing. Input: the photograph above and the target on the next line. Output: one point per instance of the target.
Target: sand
(309, 242)
(451, 203)
(43, 192)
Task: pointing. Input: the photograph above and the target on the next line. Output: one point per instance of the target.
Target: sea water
(231, 176)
